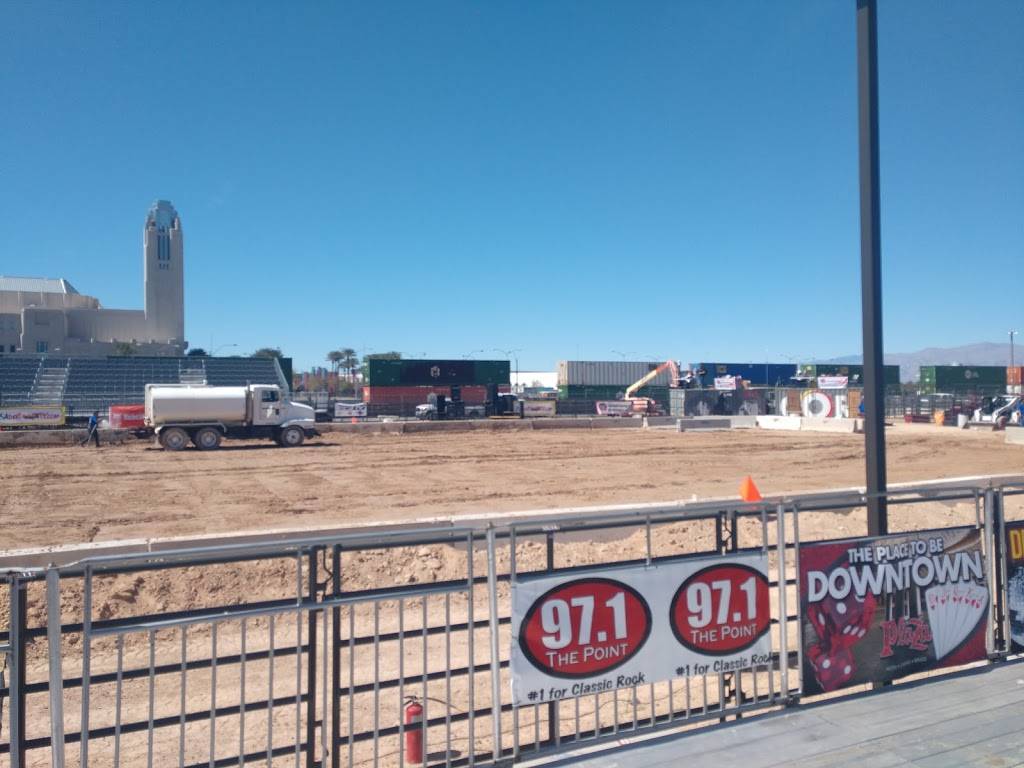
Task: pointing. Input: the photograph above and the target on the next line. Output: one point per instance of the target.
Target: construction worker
(94, 429)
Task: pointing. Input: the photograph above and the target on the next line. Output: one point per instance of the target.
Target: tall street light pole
(1012, 334)
(871, 265)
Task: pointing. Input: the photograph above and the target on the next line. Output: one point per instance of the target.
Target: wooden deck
(973, 719)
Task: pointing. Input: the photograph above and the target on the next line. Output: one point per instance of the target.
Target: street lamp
(1012, 334)
(222, 346)
(470, 354)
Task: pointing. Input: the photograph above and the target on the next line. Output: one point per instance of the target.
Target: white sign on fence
(608, 628)
(726, 383)
(614, 407)
(533, 409)
(26, 416)
(347, 410)
(833, 382)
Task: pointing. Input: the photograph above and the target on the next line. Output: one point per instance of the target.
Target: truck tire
(174, 439)
(291, 437)
(207, 439)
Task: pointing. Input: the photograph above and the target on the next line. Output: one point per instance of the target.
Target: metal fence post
(780, 514)
(19, 619)
(554, 726)
(492, 596)
(1001, 571)
(56, 668)
(335, 658)
(311, 660)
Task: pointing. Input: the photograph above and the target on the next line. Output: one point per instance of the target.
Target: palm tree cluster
(343, 361)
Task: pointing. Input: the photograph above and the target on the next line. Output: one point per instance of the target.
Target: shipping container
(420, 373)
(755, 374)
(854, 373)
(956, 379)
(616, 373)
(660, 394)
(473, 394)
(1014, 375)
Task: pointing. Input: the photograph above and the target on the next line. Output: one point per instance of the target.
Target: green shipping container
(956, 379)
(425, 373)
(580, 392)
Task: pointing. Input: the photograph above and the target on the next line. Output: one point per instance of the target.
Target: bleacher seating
(17, 375)
(228, 371)
(96, 383)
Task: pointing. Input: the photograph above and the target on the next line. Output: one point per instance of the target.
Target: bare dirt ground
(71, 495)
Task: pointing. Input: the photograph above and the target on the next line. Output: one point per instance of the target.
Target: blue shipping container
(757, 374)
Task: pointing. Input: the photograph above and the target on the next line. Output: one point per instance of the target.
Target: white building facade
(46, 316)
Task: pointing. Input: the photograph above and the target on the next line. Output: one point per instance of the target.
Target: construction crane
(645, 405)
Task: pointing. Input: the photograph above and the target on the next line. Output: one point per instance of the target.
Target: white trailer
(180, 413)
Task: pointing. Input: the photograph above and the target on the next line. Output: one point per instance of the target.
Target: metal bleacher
(96, 383)
(17, 376)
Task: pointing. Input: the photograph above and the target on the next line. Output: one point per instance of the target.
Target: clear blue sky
(567, 178)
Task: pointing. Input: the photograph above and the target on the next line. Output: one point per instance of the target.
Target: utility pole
(871, 266)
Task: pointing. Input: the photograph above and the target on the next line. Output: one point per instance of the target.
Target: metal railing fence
(305, 651)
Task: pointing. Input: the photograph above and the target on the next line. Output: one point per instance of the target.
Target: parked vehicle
(203, 415)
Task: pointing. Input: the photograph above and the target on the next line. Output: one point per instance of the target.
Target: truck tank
(166, 405)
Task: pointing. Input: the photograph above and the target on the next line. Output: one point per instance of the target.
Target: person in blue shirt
(94, 428)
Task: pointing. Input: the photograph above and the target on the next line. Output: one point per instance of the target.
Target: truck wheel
(207, 439)
(292, 437)
(174, 439)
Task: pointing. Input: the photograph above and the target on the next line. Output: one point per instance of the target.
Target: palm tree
(349, 361)
(335, 357)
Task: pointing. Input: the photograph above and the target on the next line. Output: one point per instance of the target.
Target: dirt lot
(69, 495)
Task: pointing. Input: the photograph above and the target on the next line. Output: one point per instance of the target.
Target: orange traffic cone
(748, 490)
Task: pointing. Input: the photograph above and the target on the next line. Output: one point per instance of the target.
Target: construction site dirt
(68, 495)
(65, 496)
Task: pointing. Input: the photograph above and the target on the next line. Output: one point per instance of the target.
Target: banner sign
(1015, 584)
(833, 382)
(347, 410)
(608, 628)
(876, 609)
(614, 407)
(27, 416)
(726, 383)
(533, 409)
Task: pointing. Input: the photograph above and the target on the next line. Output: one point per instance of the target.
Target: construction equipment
(643, 406)
(998, 411)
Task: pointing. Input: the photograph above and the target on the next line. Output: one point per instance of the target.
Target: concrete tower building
(44, 316)
(164, 273)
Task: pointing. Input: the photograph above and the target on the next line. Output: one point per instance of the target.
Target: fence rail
(319, 642)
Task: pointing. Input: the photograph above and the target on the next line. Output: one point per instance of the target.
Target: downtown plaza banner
(606, 628)
(1015, 584)
(876, 609)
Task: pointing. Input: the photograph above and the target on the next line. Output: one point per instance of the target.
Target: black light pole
(871, 265)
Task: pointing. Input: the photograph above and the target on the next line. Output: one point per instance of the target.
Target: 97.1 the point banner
(876, 609)
(609, 628)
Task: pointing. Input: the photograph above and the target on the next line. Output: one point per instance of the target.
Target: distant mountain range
(982, 353)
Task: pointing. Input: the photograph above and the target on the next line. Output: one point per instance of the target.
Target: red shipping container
(127, 416)
(1014, 375)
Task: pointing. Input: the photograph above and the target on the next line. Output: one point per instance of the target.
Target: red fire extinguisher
(413, 731)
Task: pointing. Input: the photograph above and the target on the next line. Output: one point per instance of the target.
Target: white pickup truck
(204, 415)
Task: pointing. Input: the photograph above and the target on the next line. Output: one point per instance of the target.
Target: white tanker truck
(204, 415)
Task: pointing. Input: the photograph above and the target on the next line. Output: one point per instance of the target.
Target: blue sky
(565, 178)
